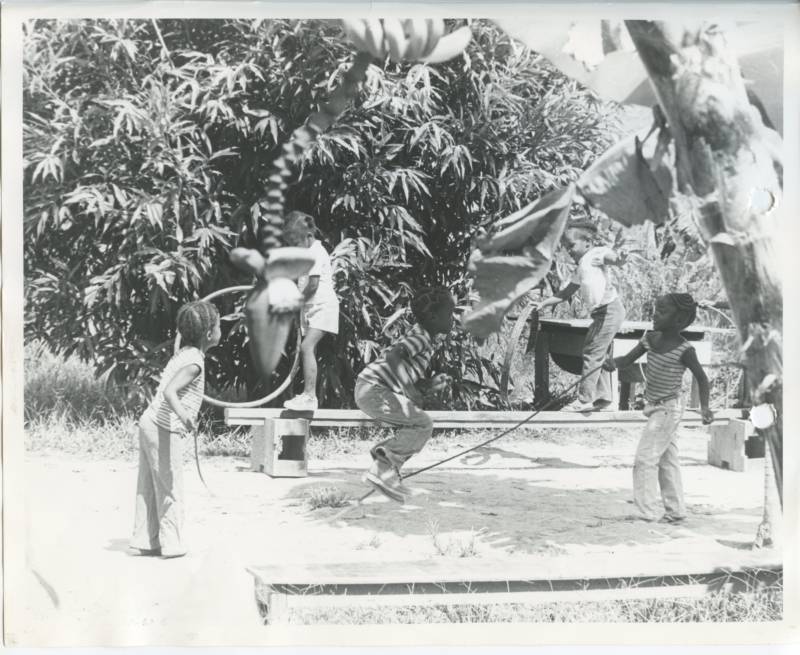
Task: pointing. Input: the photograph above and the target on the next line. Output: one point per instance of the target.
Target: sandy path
(529, 498)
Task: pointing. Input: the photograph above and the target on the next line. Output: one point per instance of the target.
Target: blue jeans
(382, 404)
(606, 322)
(656, 466)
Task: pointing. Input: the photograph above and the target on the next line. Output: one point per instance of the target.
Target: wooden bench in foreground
(483, 581)
(279, 435)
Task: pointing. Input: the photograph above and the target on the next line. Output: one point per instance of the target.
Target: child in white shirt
(320, 313)
(603, 304)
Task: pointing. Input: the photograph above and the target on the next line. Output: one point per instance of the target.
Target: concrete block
(278, 447)
(726, 445)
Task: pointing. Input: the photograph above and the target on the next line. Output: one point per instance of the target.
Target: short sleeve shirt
(191, 396)
(419, 348)
(664, 371)
(324, 269)
(596, 288)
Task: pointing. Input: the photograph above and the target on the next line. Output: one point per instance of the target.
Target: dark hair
(297, 221)
(585, 229)
(427, 299)
(195, 320)
(686, 306)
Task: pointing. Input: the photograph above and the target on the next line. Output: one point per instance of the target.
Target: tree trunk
(724, 169)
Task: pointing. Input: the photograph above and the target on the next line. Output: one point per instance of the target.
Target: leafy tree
(146, 146)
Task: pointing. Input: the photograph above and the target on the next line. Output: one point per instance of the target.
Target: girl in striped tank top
(158, 521)
(668, 356)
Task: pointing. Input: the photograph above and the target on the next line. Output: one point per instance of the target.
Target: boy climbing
(386, 391)
(603, 304)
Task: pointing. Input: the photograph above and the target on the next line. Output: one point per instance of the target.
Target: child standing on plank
(158, 523)
(320, 314)
(604, 305)
(385, 390)
(668, 356)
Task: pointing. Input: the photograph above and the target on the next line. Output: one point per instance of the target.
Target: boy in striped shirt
(386, 391)
(668, 356)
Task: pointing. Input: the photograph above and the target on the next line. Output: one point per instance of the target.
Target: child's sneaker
(302, 403)
(602, 406)
(578, 406)
(384, 478)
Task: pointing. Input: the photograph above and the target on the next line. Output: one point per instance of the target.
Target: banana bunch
(413, 39)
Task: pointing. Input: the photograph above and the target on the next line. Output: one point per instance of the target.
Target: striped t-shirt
(664, 372)
(419, 348)
(191, 396)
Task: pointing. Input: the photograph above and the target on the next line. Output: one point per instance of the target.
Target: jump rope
(527, 419)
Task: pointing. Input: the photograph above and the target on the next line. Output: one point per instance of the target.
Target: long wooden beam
(483, 582)
(455, 419)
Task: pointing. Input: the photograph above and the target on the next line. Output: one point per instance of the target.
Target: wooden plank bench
(486, 581)
(278, 445)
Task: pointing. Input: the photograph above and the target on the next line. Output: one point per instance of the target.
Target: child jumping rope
(603, 303)
(385, 390)
(158, 523)
(320, 314)
(668, 356)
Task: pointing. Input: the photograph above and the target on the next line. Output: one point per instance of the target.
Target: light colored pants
(656, 463)
(396, 410)
(606, 322)
(158, 521)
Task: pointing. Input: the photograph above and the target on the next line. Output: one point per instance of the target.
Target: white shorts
(322, 316)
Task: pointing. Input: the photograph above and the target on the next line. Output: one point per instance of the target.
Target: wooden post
(541, 369)
(725, 168)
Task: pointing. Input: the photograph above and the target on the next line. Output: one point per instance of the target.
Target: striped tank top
(191, 396)
(664, 372)
(419, 347)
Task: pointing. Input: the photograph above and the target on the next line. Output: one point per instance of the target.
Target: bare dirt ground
(559, 496)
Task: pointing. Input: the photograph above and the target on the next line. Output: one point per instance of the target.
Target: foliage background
(146, 145)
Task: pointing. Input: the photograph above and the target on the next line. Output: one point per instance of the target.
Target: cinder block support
(278, 447)
(727, 443)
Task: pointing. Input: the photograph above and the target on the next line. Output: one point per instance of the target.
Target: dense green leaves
(147, 145)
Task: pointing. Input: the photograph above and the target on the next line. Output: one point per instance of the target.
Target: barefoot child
(603, 303)
(386, 390)
(668, 356)
(320, 314)
(158, 523)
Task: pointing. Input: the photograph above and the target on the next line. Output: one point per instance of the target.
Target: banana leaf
(515, 257)
(622, 185)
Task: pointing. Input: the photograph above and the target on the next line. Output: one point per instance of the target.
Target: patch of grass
(66, 388)
(459, 546)
(109, 439)
(757, 606)
(320, 497)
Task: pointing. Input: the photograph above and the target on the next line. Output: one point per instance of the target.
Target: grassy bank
(753, 606)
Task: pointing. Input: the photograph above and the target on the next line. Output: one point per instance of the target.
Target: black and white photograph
(417, 325)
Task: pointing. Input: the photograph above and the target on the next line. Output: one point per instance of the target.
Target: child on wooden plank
(386, 391)
(320, 314)
(602, 301)
(158, 522)
(668, 356)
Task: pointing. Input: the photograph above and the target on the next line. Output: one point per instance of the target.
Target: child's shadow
(483, 455)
